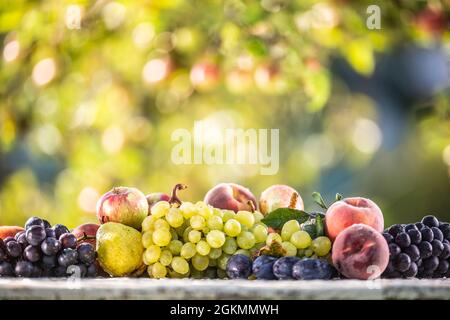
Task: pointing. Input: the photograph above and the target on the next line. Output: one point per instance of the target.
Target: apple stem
(174, 198)
(293, 201)
(252, 205)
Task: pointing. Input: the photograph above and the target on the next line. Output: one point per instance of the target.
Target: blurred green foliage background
(91, 91)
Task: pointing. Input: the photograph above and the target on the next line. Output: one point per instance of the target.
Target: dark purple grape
(22, 240)
(426, 249)
(68, 240)
(419, 262)
(239, 266)
(394, 275)
(6, 270)
(402, 262)
(60, 230)
(402, 239)
(412, 271)
(35, 235)
(47, 273)
(410, 226)
(426, 274)
(86, 253)
(37, 272)
(23, 269)
(445, 254)
(437, 234)
(389, 269)
(47, 224)
(312, 269)
(438, 247)
(3, 255)
(34, 221)
(388, 237)
(282, 268)
(415, 236)
(18, 234)
(419, 225)
(394, 250)
(92, 271)
(13, 249)
(413, 252)
(445, 228)
(50, 233)
(8, 239)
(263, 267)
(427, 234)
(396, 229)
(48, 262)
(430, 221)
(50, 246)
(431, 263)
(60, 271)
(68, 257)
(32, 254)
(442, 267)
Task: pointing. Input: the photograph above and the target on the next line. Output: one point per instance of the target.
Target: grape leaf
(277, 218)
(319, 200)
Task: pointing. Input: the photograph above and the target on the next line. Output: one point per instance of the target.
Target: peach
(86, 233)
(153, 198)
(344, 213)
(360, 252)
(231, 196)
(279, 196)
(9, 231)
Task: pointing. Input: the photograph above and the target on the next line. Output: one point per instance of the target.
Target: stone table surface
(123, 288)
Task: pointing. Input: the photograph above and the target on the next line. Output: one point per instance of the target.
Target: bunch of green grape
(298, 242)
(196, 240)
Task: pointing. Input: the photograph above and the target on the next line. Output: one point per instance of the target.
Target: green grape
(230, 245)
(215, 223)
(245, 218)
(227, 215)
(260, 232)
(300, 253)
(174, 234)
(152, 254)
(321, 246)
(160, 209)
(147, 240)
(203, 248)
(200, 262)
(290, 249)
(161, 237)
(186, 234)
(308, 253)
(218, 212)
(161, 224)
(212, 262)
(194, 236)
(206, 212)
(215, 253)
(180, 265)
(197, 222)
(175, 247)
(289, 228)
(221, 274)
(232, 228)
(301, 239)
(205, 230)
(273, 237)
(195, 274)
(215, 238)
(188, 210)
(148, 224)
(188, 250)
(158, 270)
(258, 216)
(244, 252)
(175, 218)
(222, 261)
(165, 258)
(175, 275)
(246, 240)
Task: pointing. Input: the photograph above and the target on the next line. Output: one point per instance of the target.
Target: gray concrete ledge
(182, 289)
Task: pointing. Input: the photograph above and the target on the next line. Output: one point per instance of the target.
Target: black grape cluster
(419, 249)
(45, 251)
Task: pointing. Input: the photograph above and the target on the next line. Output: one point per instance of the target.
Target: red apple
(231, 196)
(279, 196)
(344, 213)
(86, 233)
(123, 205)
(153, 198)
(9, 231)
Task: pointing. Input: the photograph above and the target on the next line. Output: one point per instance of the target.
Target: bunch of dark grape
(45, 251)
(419, 249)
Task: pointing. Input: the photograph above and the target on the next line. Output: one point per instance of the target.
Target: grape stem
(174, 198)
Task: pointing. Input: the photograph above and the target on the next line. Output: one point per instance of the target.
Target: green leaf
(319, 200)
(339, 197)
(277, 218)
(319, 226)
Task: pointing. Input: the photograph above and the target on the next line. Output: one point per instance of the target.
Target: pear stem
(174, 198)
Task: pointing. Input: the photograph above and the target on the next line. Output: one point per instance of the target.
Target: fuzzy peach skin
(360, 252)
(230, 196)
(9, 231)
(344, 213)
